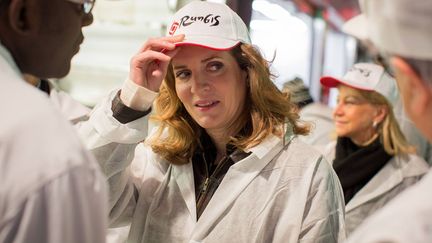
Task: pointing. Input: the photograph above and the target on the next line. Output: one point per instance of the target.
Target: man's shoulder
(37, 144)
(28, 114)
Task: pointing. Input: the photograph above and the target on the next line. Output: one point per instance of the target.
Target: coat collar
(238, 177)
(184, 177)
(391, 175)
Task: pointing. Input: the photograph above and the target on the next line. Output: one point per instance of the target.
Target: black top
(356, 165)
(208, 173)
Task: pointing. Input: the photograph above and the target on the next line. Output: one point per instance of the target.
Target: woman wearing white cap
(225, 164)
(371, 156)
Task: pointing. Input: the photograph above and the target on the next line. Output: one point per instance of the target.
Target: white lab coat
(398, 174)
(273, 195)
(69, 107)
(405, 219)
(51, 189)
(322, 126)
(78, 114)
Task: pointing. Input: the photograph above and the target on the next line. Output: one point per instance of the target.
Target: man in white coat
(51, 189)
(401, 30)
(77, 114)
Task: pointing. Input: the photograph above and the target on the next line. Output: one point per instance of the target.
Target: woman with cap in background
(357, 27)
(224, 165)
(371, 156)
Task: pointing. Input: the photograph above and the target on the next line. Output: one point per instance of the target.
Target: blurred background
(302, 38)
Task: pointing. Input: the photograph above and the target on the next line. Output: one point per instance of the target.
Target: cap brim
(357, 27)
(331, 82)
(210, 43)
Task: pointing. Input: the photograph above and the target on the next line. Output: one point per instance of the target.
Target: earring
(374, 124)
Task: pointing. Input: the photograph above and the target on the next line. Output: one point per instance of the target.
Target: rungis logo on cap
(174, 27)
(362, 71)
(210, 19)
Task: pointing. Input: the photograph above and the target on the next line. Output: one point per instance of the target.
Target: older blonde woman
(371, 156)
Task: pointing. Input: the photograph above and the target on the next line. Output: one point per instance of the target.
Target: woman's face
(354, 116)
(211, 86)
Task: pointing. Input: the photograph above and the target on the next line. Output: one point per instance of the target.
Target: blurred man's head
(43, 35)
(401, 30)
(298, 92)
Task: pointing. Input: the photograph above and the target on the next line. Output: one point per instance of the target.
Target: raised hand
(149, 66)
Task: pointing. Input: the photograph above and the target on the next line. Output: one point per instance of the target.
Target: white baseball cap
(208, 24)
(356, 27)
(366, 76)
(401, 27)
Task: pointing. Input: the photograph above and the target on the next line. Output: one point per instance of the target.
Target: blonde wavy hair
(392, 138)
(266, 111)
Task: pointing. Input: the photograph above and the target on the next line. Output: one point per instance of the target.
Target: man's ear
(18, 16)
(418, 88)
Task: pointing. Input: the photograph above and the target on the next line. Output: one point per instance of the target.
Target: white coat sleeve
(113, 145)
(323, 219)
(66, 209)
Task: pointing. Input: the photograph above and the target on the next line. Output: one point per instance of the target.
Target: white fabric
(321, 118)
(356, 27)
(136, 97)
(51, 189)
(110, 141)
(273, 195)
(78, 114)
(70, 108)
(406, 219)
(400, 27)
(287, 196)
(103, 128)
(398, 174)
(209, 24)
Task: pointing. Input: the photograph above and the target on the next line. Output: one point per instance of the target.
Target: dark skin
(42, 35)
